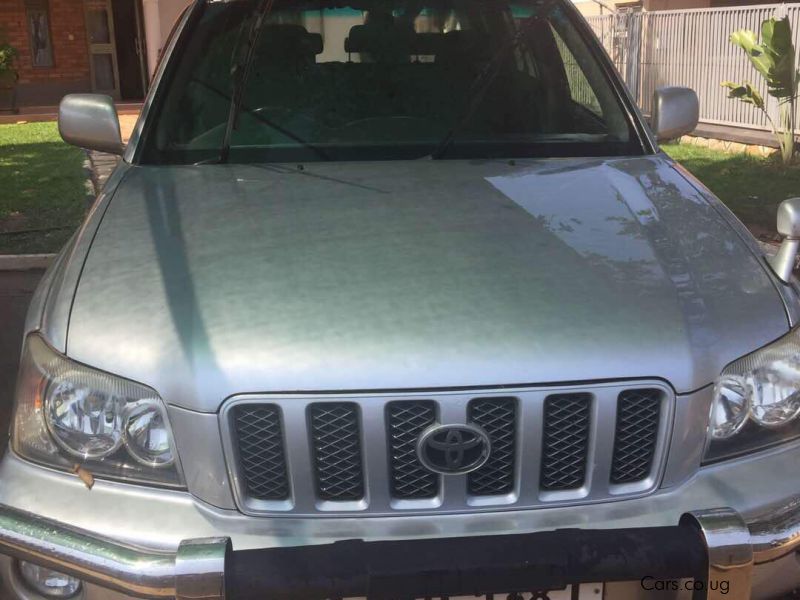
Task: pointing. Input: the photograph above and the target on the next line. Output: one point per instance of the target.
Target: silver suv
(400, 299)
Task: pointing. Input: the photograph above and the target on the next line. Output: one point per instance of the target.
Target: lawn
(752, 187)
(42, 189)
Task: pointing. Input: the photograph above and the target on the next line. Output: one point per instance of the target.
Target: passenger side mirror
(676, 111)
(789, 227)
(90, 121)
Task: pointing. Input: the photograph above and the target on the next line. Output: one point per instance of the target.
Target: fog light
(47, 582)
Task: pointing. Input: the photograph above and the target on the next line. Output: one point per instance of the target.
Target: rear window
(384, 80)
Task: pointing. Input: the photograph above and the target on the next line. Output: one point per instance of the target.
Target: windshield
(273, 81)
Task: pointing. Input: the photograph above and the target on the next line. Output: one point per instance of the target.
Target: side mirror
(789, 227)
(676, 111)
(90, 121)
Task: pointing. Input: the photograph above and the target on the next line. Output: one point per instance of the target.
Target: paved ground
(126, 123)
(16, 288)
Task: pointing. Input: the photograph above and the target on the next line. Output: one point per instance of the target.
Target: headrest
(380, 39)
(288, 41)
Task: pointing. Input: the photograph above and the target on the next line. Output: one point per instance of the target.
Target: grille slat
(497, 417)
(638, 416)
(406, 420)
(262, 457)
(565, 450)
(336, 444)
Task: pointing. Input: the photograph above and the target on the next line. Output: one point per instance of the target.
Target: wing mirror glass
(789, 227)
(90, 121)
(676, 111)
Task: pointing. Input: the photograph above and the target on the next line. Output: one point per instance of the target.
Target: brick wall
(70, 71)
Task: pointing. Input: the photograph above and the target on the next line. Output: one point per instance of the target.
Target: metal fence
(691, 48)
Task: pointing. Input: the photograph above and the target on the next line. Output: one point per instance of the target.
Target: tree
(774, 59)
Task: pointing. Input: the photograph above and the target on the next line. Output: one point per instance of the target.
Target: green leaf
(776, 37)
(773, 58)
(745, 39)
(744, 92)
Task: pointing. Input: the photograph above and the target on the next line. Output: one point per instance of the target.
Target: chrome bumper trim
(775, 531)
(729, 551)
(196, 571)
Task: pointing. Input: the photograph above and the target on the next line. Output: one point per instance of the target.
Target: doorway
(117, 52)
(131, 54)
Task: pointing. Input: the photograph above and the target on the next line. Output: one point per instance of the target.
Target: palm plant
(774, 59)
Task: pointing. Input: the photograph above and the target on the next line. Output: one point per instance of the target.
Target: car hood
(208, 281)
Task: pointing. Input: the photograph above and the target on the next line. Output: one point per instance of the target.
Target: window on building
(38, 17)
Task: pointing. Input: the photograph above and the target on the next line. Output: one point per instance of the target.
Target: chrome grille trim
(455, 493)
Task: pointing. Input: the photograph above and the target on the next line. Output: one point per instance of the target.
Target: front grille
(408, 478)
(261, 453)
(358, 454)
(336, 440)
(566, 441)
(638, 415)
(498, 417)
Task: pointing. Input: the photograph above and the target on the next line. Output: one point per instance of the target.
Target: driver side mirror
(90, 121)
(676, 111)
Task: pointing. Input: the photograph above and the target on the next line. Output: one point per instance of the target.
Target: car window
(580, 89)
(383, 80)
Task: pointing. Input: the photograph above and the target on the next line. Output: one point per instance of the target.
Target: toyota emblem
(453, 449)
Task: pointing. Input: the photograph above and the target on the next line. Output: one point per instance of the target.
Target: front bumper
(709, 545)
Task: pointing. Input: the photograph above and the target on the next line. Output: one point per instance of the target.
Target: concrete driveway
(16, 288)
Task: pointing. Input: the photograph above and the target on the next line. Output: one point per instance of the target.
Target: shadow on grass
(43, 190)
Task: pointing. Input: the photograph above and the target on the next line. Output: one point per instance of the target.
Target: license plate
(584, 591)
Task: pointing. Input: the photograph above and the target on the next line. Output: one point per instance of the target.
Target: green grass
(750, 186)
(42, 189)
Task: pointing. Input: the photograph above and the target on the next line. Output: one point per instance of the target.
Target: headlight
(731, 407)
(67, 413)
(147, 436)
(757, 400)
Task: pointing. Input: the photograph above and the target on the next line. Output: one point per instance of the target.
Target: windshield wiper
(240, 73)
(479, 87)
